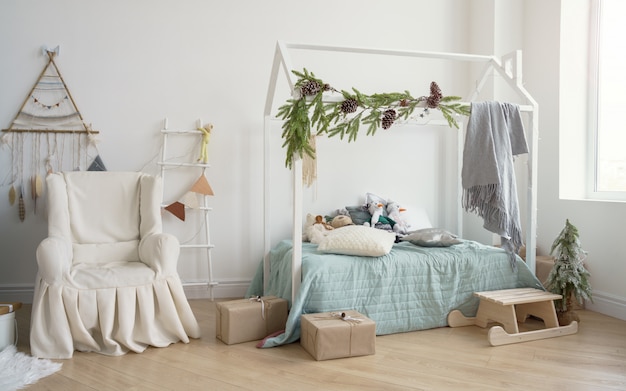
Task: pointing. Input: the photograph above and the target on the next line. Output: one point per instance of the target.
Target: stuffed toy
(376, 210)
(315, 229)
(320, 220)
(206, 136)
(341, 221)
(393, 211)
(379, 220)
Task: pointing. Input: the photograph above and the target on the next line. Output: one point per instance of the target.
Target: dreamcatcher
(48, 134)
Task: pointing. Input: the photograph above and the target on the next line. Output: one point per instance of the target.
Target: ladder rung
(184, 164)
(197, 246)
(207, 208)
(167, 131)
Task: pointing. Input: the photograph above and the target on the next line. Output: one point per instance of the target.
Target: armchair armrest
(160, 251)
(54, 258)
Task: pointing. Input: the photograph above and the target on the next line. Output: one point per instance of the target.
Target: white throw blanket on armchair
(107, 279)
(495, 134)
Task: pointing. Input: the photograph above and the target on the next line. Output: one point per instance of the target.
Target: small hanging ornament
(36, 189)
(12, 195)
(21, 207)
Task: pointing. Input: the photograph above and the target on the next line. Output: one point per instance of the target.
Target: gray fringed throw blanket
(495, 133)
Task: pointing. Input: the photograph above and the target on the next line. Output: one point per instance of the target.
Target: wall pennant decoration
(190, 200)
(97, 164)
(177, 209)
(202, 186)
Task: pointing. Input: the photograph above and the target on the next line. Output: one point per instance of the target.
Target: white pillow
(416, 218)
(358, 240)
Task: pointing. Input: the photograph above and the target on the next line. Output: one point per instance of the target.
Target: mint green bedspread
(411, 288)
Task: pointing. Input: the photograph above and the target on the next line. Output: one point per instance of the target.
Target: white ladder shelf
(207, 245)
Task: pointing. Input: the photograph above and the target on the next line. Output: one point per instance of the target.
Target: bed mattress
(411, 288)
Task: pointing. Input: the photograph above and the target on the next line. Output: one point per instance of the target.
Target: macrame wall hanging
(48, 134)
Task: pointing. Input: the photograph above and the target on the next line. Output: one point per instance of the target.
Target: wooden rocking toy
(507, 307)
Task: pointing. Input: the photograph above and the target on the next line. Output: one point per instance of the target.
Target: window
(607, 91)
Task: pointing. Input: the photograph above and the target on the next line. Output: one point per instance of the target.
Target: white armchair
(107, 279)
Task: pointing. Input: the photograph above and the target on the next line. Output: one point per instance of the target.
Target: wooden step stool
(510, 306)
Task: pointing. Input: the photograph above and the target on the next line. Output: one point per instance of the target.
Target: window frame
(593, 109)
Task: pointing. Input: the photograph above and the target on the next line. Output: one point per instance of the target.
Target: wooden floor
(438, 359)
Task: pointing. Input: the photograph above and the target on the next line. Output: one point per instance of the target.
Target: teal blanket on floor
(411, 288)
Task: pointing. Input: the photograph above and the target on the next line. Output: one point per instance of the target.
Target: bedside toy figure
(376, 210)
(379, 220)
(341, 221)
(393, 211)
(206, 135)
(315, 229)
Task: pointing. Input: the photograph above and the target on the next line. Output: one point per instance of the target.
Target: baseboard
(607, 304)
(223, 290)
(17, 292)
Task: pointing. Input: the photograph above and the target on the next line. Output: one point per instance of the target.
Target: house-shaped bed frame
(509, 67)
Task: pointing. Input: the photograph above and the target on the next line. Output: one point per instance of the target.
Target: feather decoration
(12, 195)
(21, 207)
(36, 188)
(38, 185)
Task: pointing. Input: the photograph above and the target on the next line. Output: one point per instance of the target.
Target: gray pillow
(431, 237)
(359, 214)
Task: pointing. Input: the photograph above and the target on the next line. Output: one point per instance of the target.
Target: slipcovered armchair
(107, 279)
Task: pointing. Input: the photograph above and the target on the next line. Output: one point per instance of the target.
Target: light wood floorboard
(438, 359)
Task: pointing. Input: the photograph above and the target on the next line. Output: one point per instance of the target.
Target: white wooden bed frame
(509, 67)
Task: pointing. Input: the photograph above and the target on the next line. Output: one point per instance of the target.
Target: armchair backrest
(103, 214)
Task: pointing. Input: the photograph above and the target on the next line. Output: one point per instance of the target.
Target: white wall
(129, 64)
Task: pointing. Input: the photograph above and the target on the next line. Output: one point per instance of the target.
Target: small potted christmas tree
(568, 276)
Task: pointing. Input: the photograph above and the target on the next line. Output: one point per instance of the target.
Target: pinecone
(349, 106)
(435, 96)
(311, 87)
(435, 90)
(389, 116)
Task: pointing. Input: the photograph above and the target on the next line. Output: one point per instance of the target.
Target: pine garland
(307, 112)
(569, 277)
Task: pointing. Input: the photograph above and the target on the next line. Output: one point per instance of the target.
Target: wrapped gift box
(337, 334)
(251, 319)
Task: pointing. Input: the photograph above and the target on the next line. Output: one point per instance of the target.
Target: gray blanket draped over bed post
(495, 134)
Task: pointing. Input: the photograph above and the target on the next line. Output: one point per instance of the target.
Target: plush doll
(393, 211)
(206, 136)
(315, 229)
(379, 220)
(341, 221)
(376, 210)
(320, 220)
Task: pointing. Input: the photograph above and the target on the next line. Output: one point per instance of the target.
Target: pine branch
(307, 111)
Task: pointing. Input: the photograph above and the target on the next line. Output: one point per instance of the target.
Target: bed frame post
(296, 259)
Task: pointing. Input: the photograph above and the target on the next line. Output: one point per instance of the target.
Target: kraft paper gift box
(251, 319)
(332, 335)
